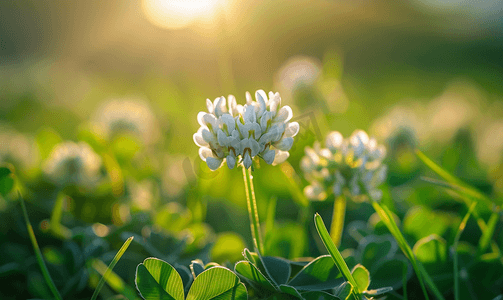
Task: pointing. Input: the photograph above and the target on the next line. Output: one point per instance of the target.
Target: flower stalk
(252, 210)
(338, 219)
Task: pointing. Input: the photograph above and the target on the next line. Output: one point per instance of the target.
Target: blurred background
(127, 78)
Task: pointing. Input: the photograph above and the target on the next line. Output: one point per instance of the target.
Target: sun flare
(175, 14)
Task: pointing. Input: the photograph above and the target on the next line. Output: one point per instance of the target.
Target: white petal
(221, 137)
(276, 131)
(210, 106)
(255, 147)
(244, 129)
(265, 138)
(231, 161)
(220, 107)
(198, 138)
(235, 134)
(205, 153)
(200, 118)
(261, 97)
(284, 144)
(247, 161)
(232, 105)
(229, 121)
(210, 121)
(255, 127)
(213, 163)
(269, 156)
(266, 120)
(249, 114)
(274, 102)
(280, 157)
(284, 114)
(292, 129)
(208, 136)
(249, 99)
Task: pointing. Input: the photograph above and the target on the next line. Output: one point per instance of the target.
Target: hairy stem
(252, 211)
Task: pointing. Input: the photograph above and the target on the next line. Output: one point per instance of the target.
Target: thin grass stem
(38, 253)
(110, 268)
(461, 228)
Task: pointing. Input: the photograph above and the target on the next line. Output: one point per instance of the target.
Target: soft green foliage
(6, 181)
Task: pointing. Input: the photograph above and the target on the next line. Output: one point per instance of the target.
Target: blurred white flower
(70, 163)
(17, 148)
(297, 71)
(407, 116)
(238, 133)
(353, 164)
(132, 116)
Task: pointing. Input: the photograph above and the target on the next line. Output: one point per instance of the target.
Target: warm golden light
(174, 14)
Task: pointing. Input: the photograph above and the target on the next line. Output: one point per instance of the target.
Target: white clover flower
(133, 116)
(354, 164)
(238, 133)
(73, 164)
(18, 149)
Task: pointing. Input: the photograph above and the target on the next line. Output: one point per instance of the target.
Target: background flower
(73, 164)
(353, 164)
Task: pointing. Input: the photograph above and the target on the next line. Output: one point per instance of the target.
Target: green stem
(38, 254)
(57, 212)
(338, 219)
(252, 211)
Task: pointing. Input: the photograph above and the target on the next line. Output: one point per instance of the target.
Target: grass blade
(461, 227)
(114, 280)
(454, 181)
(110, 268)
(338, 219)
(488, 233)
(388, 220)
(56, 215)
(38, 254)
(332, 249)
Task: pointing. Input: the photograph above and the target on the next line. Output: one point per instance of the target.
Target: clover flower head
(353, 164)
(17, 148)
(72, 163)
(133, 116)
(238, 133)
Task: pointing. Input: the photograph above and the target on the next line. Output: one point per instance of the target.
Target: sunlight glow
(175, 14)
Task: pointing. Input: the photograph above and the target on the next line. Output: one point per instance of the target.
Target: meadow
(232, 151)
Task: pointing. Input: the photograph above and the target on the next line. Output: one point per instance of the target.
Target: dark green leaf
(290, 290)
(196, 268)
(319, 274)
(252, 273)
(278, 268)
(317, 295)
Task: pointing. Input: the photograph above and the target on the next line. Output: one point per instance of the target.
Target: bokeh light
(176, 14)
